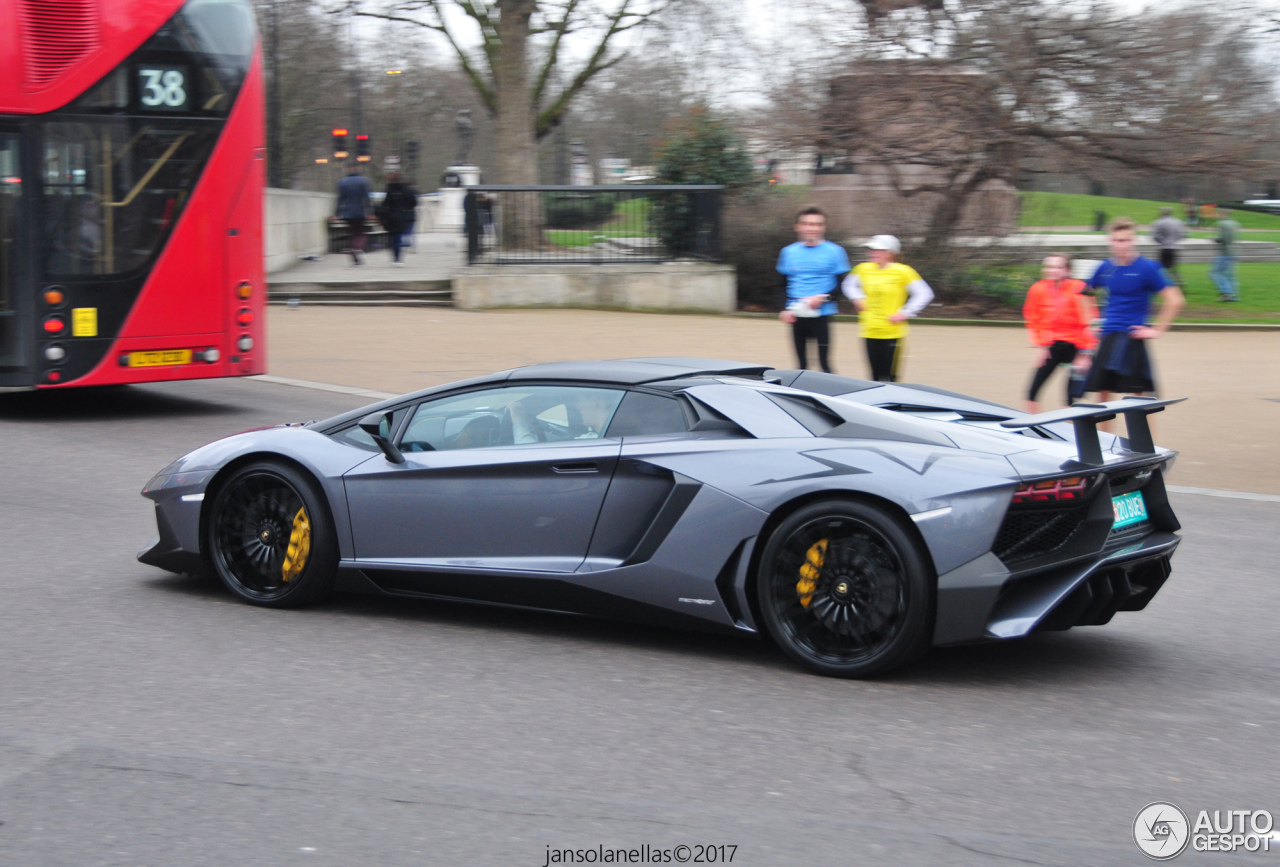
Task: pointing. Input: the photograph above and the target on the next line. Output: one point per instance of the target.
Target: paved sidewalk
(1227, 431)
(436, 256)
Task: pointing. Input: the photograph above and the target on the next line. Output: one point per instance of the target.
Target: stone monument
(451, 216)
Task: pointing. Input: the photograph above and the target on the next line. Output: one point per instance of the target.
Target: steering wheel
(480, 432)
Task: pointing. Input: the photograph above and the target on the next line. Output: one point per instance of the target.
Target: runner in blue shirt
(1122, 363)
(813, 268)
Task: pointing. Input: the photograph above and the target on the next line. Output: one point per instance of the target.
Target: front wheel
(270, 537)
(845, 591)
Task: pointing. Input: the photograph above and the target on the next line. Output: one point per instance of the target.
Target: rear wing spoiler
(1085, 417)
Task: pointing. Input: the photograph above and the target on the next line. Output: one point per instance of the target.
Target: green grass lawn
(587, 237)
(632, 209)
(1068, 209)
(1259, 291)
(630, 219)
(1259, 294)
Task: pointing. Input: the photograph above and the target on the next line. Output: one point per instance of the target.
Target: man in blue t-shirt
(1122, 363)
(813, 268)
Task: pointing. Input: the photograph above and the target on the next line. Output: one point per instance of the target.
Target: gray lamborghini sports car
(856, 523)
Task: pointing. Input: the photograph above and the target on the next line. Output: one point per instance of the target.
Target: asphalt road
(148, 719)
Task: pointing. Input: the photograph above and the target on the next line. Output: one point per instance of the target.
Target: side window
(353, 435)
(515, 415)
(642, 413)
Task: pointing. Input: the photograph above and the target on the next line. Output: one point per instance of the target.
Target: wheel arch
(784, 511)
(219, 479)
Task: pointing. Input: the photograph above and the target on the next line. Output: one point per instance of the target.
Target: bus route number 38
(162, 88)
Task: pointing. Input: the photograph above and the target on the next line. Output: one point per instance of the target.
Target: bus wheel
(270, 537)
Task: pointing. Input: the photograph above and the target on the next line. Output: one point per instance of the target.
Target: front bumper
(179, 497)
(167, 551)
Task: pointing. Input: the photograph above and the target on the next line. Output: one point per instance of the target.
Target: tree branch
(620, 21)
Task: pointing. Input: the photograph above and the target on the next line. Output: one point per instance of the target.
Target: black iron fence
(591, 225)
(340, 235)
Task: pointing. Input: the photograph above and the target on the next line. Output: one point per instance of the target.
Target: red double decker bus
(131, 184)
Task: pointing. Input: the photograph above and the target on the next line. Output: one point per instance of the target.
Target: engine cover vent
(56, 34)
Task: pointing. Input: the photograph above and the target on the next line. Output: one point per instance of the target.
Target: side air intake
(56, 34)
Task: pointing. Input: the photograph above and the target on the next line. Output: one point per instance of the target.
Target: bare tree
(944, 103)
(628, 110)
(516, 55)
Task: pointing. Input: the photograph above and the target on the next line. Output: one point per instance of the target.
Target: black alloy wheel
(270, 537)
(844, 590)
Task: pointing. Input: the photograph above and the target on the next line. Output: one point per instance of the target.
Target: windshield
(119, 164)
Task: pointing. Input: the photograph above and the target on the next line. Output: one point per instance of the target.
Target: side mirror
(372, 425)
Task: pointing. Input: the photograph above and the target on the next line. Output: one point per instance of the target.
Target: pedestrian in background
(1191, 211)
(1223, 272)
(396, 212)
(812, 268)
(1122, 362)
(887, 293)
(353, 206)
(1168, 233)
(1058, 317)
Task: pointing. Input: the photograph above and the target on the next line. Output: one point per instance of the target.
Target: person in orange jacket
(1058, 316)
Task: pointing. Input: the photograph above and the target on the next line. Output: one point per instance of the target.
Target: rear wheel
(270, 537)
(844, 590)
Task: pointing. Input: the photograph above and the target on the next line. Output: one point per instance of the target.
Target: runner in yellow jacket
(887, 293)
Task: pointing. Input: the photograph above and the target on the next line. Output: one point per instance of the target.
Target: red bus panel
(133, 131)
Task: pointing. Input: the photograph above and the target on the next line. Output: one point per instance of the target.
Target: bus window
(113, 188)
(10, 249)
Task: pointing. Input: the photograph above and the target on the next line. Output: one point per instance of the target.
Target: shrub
(701, 149)
(577, 210)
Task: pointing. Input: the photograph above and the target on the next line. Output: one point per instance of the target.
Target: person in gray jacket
(1168, 232)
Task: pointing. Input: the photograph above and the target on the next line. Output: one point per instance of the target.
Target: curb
(1018, 323)
(1177, 326)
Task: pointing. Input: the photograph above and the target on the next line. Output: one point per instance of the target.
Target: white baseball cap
(884, 242)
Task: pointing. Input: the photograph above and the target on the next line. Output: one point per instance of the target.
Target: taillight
(245, 316)
(1052, 490)
(55, 325)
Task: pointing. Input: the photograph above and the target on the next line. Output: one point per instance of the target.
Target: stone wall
(681, 285)
(865, 204)
(294, 223)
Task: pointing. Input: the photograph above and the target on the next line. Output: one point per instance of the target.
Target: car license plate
(1130, 509)
(160, 358)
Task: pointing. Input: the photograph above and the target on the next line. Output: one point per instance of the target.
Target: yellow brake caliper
(810, 570)
(295, 559)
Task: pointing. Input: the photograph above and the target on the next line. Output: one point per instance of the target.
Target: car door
(501, 478)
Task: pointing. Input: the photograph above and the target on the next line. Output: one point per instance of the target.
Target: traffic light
(340, 151)
(362, 149)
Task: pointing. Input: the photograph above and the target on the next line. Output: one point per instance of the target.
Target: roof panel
(633, 371)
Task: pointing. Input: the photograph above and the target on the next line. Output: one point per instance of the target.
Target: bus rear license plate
(160, 358)
(1130, 509)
